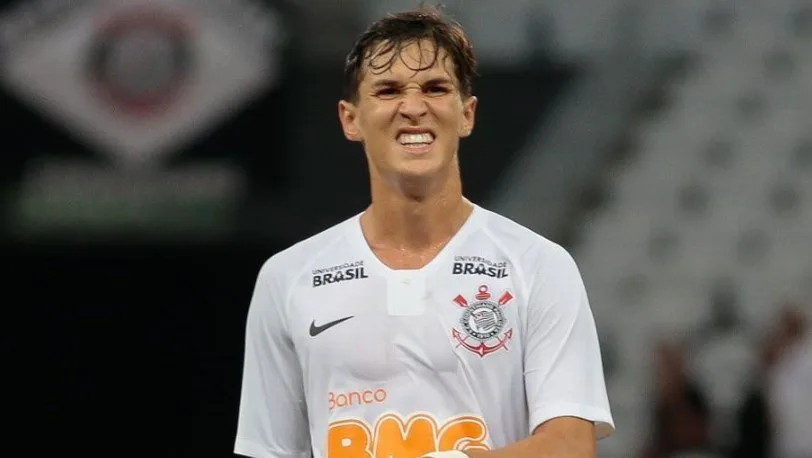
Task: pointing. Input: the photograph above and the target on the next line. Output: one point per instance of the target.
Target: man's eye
(436, 90)
(387, 92)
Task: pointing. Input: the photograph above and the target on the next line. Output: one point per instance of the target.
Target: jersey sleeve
(563, 366)
(272, 421)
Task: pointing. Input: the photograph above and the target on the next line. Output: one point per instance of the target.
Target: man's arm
(563, 372)
(272, 419)
(568, 437)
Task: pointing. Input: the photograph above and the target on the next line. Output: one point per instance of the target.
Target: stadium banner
(134, 82)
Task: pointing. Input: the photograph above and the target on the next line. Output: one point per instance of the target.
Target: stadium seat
(719, 187)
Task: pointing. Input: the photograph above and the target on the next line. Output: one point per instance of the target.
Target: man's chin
(423, 174)
(419, 170)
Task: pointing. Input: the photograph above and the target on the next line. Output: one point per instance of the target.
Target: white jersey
(348, 358)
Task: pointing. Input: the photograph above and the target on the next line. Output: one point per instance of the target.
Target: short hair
(398, 30)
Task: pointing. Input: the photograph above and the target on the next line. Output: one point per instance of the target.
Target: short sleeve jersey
(346, 357)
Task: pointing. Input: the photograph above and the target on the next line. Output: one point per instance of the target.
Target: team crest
(483, 323)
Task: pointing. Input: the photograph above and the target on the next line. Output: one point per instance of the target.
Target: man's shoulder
(519, 238)
(305, 252)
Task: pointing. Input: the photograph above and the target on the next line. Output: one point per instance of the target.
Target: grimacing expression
(409, 115)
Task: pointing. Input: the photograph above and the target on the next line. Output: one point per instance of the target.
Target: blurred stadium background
(157, 152)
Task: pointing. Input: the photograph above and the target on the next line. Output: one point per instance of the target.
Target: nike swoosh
(316, 330)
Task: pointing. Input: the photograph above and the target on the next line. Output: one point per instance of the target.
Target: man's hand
(562, 437)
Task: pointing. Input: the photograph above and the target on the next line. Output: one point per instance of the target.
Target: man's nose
(413, 105)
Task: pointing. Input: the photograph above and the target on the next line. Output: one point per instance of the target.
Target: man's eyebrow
(385, 83)
(438, 80)
(394, 83)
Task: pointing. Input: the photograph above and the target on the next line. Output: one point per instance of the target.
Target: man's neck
(398, 220)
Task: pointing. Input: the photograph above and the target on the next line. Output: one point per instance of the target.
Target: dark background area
(142, 344)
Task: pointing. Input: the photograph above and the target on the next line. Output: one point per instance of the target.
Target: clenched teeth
(411, 139)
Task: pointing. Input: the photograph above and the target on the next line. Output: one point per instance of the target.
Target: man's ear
(348, 115)
(469, 116)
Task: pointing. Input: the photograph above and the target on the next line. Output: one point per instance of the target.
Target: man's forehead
(410, 61)
(424, 49)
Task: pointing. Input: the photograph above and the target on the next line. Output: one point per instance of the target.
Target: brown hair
(396, 31)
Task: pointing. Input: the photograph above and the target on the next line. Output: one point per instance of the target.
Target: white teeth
(410, 139)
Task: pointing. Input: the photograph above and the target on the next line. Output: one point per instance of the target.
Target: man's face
(409, 122)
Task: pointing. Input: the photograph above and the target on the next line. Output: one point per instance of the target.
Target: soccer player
(425, 325)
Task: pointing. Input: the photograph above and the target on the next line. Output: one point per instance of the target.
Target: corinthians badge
(141, 59)
(483, 323)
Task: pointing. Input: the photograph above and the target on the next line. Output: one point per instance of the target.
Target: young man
(426, 325)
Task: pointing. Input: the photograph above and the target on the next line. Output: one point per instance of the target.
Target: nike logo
(316, 330)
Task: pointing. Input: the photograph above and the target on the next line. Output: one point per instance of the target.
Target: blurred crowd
(727, 392)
